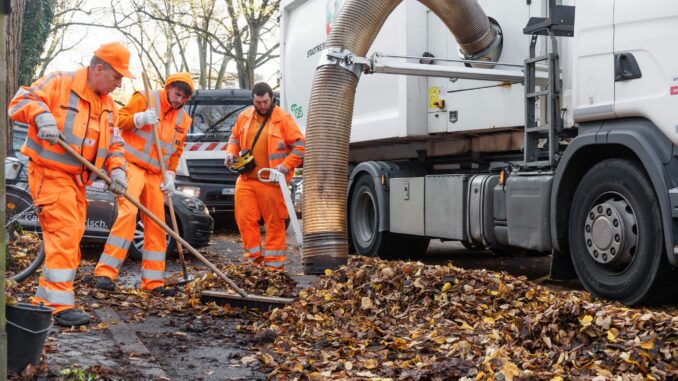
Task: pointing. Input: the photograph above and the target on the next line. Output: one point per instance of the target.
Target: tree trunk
(202, 55)
(13, 27)
(222, 72)
(3, 205)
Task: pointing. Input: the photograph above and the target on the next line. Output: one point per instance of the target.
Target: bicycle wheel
(25, 251)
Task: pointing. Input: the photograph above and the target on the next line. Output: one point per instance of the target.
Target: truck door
(645, 71)
(593, 90)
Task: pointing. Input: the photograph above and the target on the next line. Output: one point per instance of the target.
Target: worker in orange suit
(280, 145)
(76, 106)
(145, 180)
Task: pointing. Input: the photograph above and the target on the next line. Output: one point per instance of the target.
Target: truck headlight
(189, 190)
(194, 205)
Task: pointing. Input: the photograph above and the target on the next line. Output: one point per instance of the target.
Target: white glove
(47, 127)
(282, 169)
(230, 158)
(167, 186)
(118, 183)
(143, 118)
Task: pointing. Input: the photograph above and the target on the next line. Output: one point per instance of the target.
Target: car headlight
(194, 205)
(189, 190)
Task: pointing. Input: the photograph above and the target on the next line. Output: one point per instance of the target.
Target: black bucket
(27, 326)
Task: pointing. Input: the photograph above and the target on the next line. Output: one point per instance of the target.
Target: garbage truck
(558, 137)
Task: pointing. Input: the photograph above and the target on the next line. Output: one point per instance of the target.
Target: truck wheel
(364, 227)
(615, 233)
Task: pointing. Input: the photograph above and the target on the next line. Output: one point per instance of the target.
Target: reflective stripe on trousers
(253, 252)
(144, 186)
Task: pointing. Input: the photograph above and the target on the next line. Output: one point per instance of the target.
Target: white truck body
(389, 107)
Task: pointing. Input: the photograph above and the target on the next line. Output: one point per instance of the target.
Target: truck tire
(615, 234)
(364, 227)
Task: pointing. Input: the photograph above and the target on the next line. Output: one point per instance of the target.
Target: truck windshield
(212, 121)
(214, 113)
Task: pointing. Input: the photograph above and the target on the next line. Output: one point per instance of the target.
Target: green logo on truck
(297, 111)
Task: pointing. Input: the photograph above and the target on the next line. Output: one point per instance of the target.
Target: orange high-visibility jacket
(172, 129)
(63, 94)
(285, 140)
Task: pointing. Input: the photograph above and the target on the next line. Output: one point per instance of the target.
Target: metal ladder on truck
(559, 23)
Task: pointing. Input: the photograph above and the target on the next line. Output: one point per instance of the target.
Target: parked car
(195, 223)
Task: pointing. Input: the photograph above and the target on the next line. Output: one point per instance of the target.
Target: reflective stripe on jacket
(285, 140)
(172, 129)
(63, 95)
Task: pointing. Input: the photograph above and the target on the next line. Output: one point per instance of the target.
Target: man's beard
(267, 112)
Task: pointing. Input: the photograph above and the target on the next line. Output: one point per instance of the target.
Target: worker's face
(105, 81)
(262, 103)
(176, 97)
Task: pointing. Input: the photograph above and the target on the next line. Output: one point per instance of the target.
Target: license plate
(228, 191)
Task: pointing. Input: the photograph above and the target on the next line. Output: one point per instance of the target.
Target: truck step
(537, 94)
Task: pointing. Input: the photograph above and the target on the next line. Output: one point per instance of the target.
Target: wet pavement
(161, 348)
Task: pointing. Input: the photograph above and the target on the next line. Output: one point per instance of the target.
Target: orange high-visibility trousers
(254, 200)
(62, 214)
(144, 186)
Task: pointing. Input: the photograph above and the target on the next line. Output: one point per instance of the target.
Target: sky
(88, 39)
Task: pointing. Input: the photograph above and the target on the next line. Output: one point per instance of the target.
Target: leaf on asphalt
(248, 359)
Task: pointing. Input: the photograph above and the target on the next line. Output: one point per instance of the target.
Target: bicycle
(19, 206)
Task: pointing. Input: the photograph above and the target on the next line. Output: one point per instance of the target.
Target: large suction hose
(328, 127)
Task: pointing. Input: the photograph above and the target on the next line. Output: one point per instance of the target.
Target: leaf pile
(252, 278)
(22, 249)
(138, 304)
(409, 321)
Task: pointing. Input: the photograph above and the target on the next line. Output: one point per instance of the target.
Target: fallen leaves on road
(138, 304)
(22, 248)
(409, 321)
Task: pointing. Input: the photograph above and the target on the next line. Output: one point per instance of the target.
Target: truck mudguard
(655, 152)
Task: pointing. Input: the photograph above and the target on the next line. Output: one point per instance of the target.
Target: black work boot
(164, 291)
(71, 317)
(104, 283)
